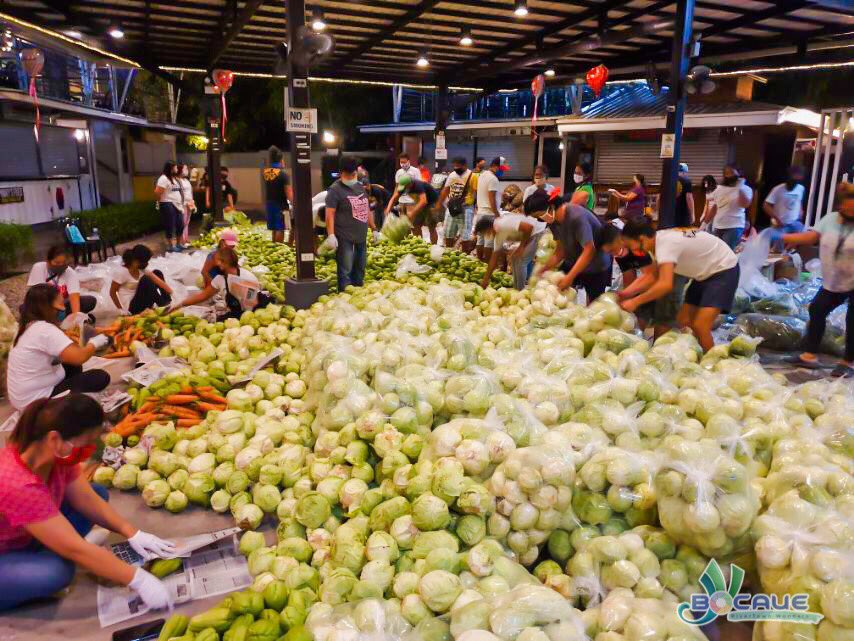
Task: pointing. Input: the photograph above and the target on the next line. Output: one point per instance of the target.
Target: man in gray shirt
(348, 216)
(587, 267)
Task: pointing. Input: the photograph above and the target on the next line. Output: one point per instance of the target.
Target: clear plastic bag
(409, 265)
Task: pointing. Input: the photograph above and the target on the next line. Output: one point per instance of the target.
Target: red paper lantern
(223, 79)
(538, 85)
(33, 61)
(596, 78)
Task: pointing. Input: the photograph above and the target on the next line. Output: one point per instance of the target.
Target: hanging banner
(223, 79)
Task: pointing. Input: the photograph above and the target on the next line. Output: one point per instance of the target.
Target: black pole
(300, 143)
(303, 291)
(214, 148)
(676, 101)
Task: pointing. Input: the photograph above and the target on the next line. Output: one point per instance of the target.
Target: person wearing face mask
(406, 169)
(540, 180)
(47, 507)
(425, 211)
(348, 218)
(731, 198)
(584, 194)
(170, 202)
(683, 212)
(458, 196)
(835, 237)
(189, 204)
(56, 271)
(635, 199)
(784, 206)
(709, 185)
(278, 194)
(576, 230)
(44, 361)
(378, 196)
(487, 201)
(516, 235)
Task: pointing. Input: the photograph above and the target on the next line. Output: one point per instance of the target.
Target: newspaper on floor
(216, 569)
(264, 362)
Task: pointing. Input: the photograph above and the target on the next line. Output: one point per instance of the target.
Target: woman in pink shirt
(46, 508)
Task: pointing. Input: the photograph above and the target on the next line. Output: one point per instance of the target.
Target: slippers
(795, 359)
(842, 371)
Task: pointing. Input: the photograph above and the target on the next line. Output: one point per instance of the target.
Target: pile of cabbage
(273, 262)
(433, 448)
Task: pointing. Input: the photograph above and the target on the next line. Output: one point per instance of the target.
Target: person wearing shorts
(486, 202)
(278, 194)
(639, 271)
(423, 212)
(699, 256)
(459, 195)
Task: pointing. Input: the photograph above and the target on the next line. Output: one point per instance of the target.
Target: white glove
(333, 242)
(149, 546)
(99, 341)
(376, 236)
(151, 590)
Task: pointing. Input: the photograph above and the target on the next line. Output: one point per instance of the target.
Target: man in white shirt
(406, 168)
(707, 260)
(541, 177)
(728, 215)
(487, 201)
(516, 235)
(784, 205)
(56, 271)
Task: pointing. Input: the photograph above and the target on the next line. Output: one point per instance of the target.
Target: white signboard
(668, 141)
(302, 120)
(441, 154)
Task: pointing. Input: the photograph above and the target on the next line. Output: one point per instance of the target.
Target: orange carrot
(180, 412)
(181, 399)
(124, 353)
(205, 388)
(188, 422)
(211, 407)
(215, 398)
(187, 389)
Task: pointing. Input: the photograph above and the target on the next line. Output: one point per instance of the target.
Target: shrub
(16, 242)
(123, 221)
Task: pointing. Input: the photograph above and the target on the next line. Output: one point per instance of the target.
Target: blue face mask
(350, 183)
(60, 315)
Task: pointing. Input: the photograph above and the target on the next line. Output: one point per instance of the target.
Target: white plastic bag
(409, 265)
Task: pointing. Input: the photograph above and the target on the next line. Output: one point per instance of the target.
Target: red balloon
(33, 61)
(538, 85)
(223, 79)
(596, 78)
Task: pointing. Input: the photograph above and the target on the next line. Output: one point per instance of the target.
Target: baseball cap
(501, 162)
(229, 237)
(404, 182)
(683, 167)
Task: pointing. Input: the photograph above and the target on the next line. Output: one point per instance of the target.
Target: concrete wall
(245, 172)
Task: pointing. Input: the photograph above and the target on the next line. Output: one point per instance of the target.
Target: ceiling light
(328, 137)
(116, 32)
(79, 135)
(317, 21)
(73, 33)
(550, 73)
(465, 37)
(521, 8)
(422, 60)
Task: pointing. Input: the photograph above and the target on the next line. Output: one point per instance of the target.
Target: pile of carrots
(188, 408)
(124, 332)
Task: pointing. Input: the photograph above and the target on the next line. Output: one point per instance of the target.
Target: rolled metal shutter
(617, 161)
(519, 151)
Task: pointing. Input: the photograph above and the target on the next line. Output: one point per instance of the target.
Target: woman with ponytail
(44, 361)
(47, 507)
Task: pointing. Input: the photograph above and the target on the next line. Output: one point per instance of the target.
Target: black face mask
(729, 181)
(460, 170)
(58, 271)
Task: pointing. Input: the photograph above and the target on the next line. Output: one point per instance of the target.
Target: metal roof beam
(234, 30)
(749, 19)
(837, 5)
